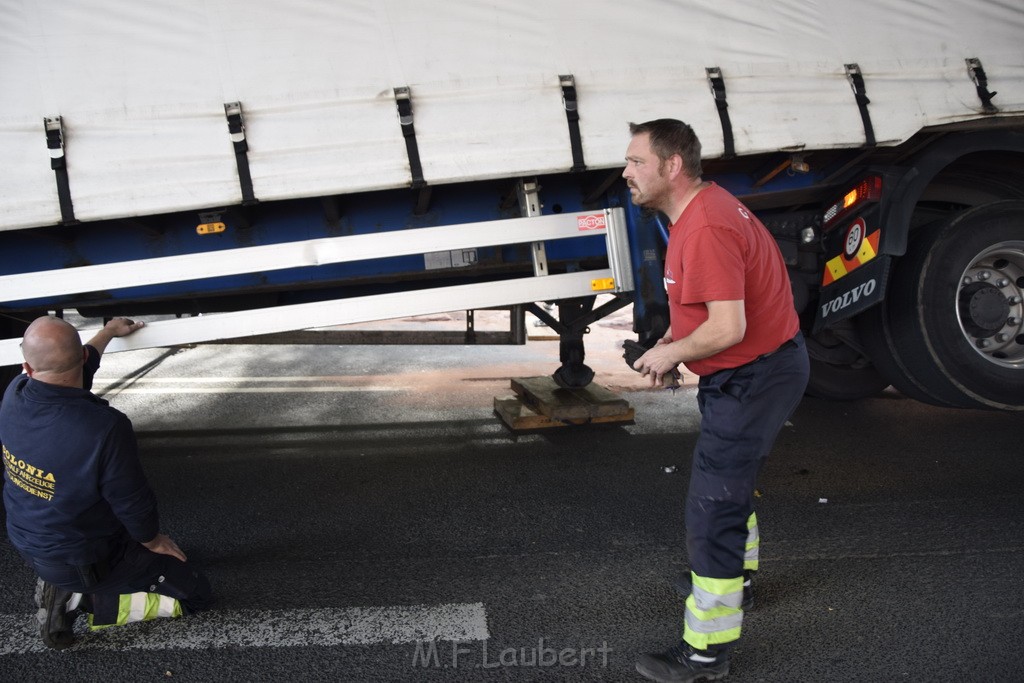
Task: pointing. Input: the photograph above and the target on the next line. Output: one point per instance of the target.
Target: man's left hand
(165, 545)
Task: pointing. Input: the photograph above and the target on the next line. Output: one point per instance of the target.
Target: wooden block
(587, 403)
(520, 417)
(539, 403)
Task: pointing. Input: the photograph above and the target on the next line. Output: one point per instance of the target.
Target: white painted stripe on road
(222, 380)
(100, 391)
(234, 385)
(459, 622)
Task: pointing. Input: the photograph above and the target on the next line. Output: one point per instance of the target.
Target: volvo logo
(848, 298)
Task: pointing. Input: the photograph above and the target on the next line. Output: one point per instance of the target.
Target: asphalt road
(350, 502)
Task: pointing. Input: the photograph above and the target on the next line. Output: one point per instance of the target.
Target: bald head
(52, 350)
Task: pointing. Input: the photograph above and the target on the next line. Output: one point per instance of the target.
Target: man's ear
(675, 165)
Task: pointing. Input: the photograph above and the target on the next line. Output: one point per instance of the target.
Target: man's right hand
(118, 327)
(164, 545)
(634, 351)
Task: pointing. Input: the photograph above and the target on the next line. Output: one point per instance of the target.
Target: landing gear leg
(573, 373)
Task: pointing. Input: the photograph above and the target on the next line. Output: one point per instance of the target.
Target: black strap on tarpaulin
(403, 98)
(572, 116)
(236, 128)
(54, 129)
(977, 74)
(856, 79)
(717, 83)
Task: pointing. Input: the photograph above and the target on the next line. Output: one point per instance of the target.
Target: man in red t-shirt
(732, 323)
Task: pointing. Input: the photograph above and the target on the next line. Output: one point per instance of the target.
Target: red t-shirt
(718, 251)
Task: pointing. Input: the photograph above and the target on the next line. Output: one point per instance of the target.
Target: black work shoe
(682, 663)
(684, 587)
(54, 617)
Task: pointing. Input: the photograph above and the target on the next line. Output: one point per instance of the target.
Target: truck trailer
(249, 170)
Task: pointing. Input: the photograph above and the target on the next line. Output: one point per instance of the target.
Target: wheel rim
(990, 304)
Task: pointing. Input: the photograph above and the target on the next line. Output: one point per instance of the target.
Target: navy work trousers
(131, 568)
(742, 411)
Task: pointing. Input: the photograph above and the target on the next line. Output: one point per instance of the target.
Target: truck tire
(954, 313)
(876, 333)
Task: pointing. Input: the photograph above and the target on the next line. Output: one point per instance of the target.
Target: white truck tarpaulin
(141, 85)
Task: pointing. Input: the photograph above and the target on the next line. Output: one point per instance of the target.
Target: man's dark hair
(672, 136)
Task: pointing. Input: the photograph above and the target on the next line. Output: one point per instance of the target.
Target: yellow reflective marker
(210, 228)
(602, 284)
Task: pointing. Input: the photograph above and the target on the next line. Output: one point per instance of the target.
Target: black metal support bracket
(546, 318)
(717, 83)
(572, 115)
(54, 129)
(620, 301)
(574, 319)
(236, 129)
(977, 74)
(856, 79)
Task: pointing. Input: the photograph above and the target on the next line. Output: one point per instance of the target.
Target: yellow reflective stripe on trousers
(713, 615)
(707, 601)
(134, 607)
(752, 549)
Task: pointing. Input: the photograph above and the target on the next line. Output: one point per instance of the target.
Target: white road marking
(236, 385)
(459, 622)
(222, 380)
(100, 391)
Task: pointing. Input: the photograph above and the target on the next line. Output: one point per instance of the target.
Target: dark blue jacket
(74, 484)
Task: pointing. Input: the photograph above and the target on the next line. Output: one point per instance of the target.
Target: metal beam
(208, 328)
(25, 286)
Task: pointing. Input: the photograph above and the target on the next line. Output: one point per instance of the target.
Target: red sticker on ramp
(592, 221)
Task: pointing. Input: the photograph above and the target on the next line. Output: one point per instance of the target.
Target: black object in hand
(631, 352)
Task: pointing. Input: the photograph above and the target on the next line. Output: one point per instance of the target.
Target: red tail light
(868, 190)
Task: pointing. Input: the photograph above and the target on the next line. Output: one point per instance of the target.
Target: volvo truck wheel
(955, 309)
(876, 332)
(876, 335)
